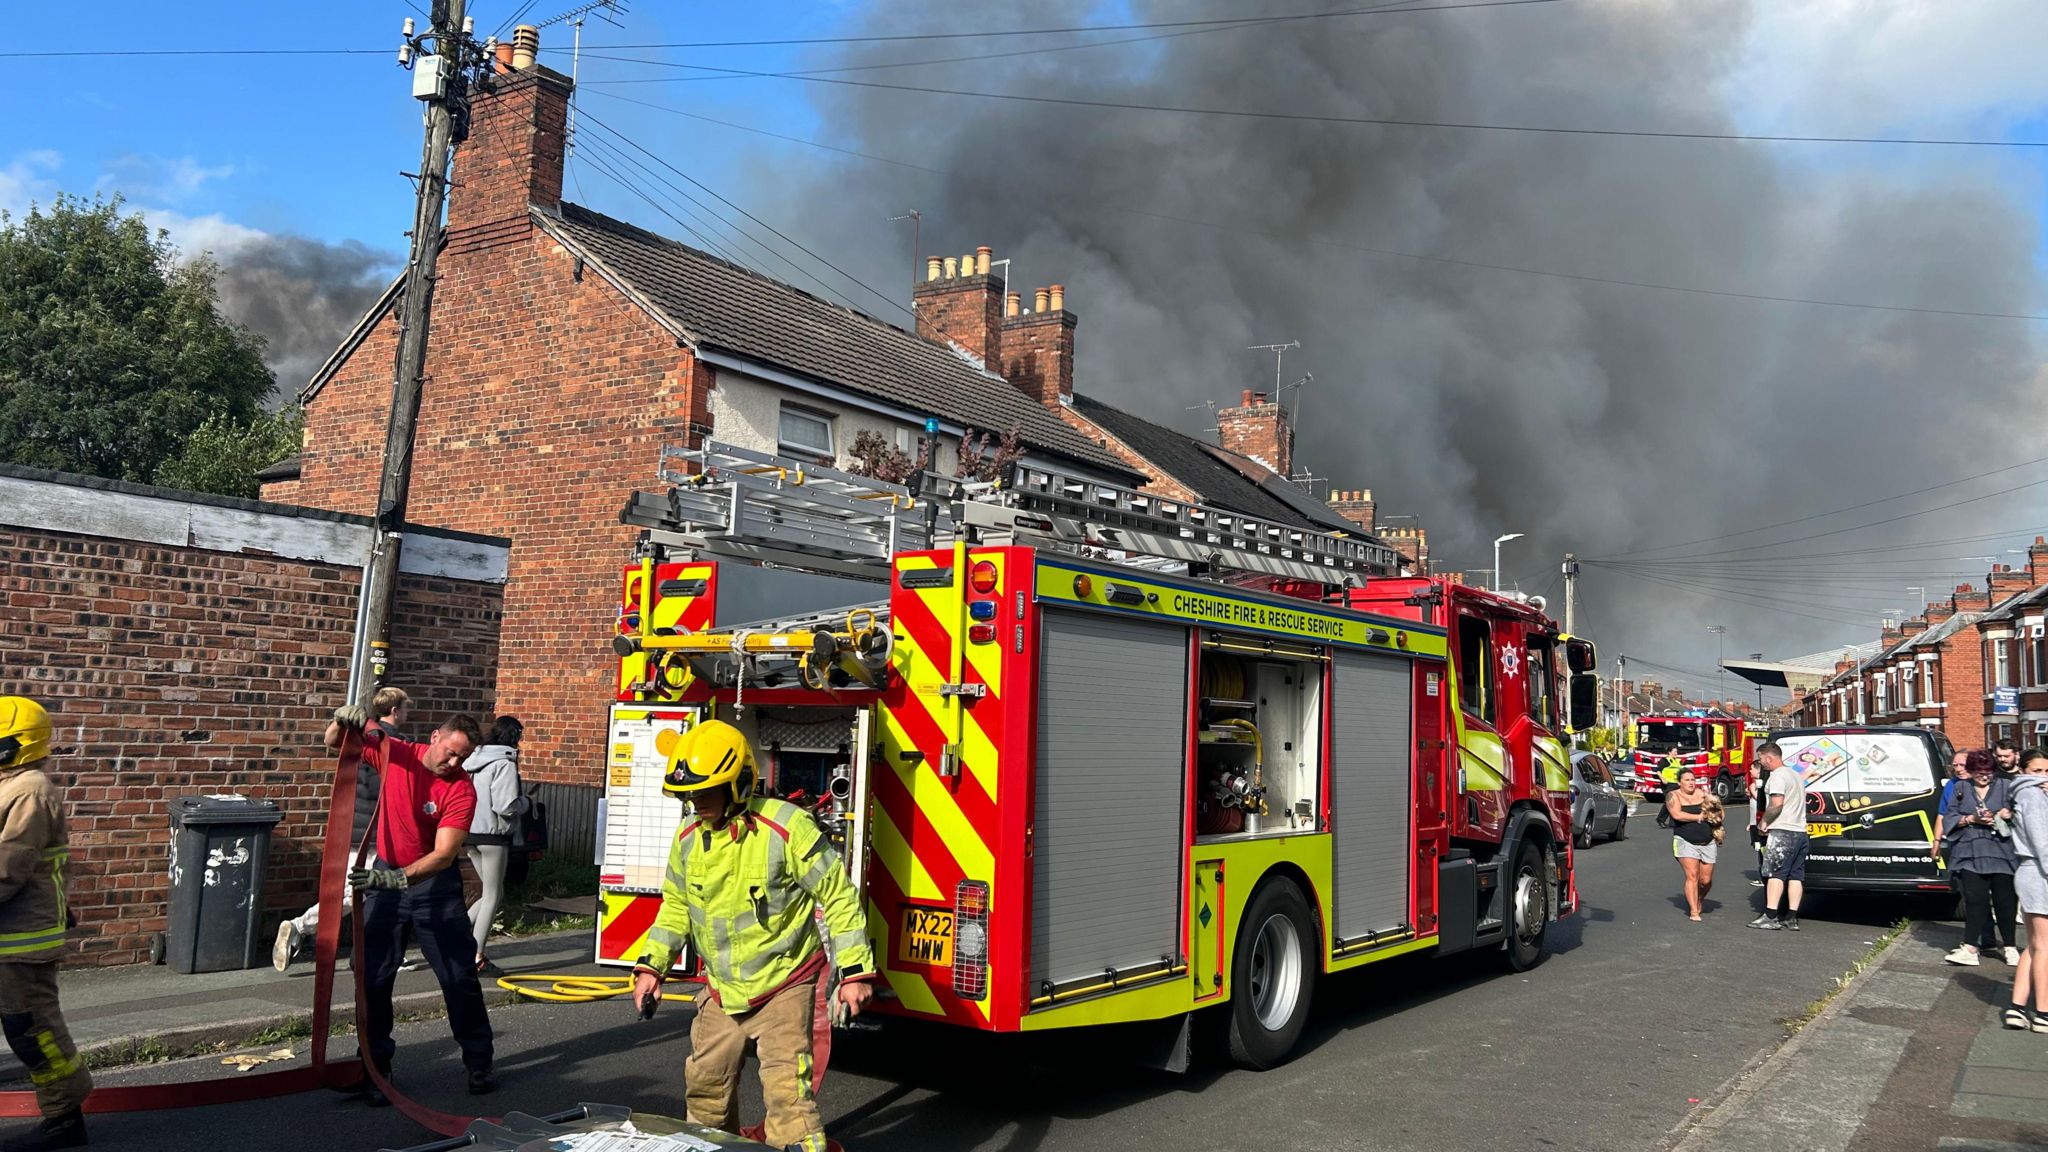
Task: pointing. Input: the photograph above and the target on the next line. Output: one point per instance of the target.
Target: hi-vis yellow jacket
(747, 895)
(33, 852)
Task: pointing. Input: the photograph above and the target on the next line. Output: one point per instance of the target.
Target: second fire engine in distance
(1097, 758)
(1719, 748)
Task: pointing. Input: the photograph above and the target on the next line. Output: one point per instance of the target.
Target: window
(1475, 668)
(1542, 695)
(1882, 685)
(805, 431)
(2001, 664)
(1906, 687)
(2037, 648)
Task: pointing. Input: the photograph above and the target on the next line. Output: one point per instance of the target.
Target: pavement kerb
(228, 1035)
(1726, 1102)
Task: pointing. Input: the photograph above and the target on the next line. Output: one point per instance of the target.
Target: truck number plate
(927, 937)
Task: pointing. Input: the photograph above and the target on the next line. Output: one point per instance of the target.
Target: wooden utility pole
(1571, 594)
(444, 92)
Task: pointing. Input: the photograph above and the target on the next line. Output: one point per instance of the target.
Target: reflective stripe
(35, 943)
(56, 1065)
(673, 941)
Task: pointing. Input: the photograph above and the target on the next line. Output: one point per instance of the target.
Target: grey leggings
(489, 860)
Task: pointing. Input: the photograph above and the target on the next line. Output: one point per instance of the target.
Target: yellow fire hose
(562, 989)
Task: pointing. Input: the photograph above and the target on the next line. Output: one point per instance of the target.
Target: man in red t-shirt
(424, 810)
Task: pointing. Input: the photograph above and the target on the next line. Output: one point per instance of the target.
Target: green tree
(223, 455)
(112, 353)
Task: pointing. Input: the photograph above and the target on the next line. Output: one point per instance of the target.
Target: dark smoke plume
(301, 295)
(1592, 417)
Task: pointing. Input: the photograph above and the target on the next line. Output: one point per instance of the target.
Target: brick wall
(1258, 428)
(1038, 352)
(178, 670)
(965, 310)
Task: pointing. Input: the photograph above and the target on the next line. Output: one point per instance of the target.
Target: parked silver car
(1598, 807)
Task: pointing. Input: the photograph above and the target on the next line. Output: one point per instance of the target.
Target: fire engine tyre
(1726, 790)
(1528, 897)
(1272, 977)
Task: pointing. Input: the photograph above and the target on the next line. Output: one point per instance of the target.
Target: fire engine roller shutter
(1112, 765)
(1369, 785)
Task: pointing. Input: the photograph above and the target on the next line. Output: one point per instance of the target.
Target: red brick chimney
(1913, 627)
(1355, 505)
(512, 157)
(1939, 611)
(1969, 599)
(1889, 636)
(2037, 562)
(1258, 428)
(960, 303)
(1038, 347)
(2006, 582)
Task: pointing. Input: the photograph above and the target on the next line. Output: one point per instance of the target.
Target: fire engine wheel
(1528, 909)
(1726, 790)
(1272, 977)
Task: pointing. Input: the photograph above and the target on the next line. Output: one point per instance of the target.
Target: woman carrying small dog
(1695, 840)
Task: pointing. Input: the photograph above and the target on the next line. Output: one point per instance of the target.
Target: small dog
(1715, 815)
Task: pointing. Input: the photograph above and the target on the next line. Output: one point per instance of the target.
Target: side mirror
(1579, 655)
(1585, 709)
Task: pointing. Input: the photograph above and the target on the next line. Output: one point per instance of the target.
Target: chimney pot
(981, 257)
(1059, 298)
(503, 54)
(525, 46)
(952, 269)
(1248, 394)
(1039, 300)
(967, 264)
(931, 268)
(1013, 304)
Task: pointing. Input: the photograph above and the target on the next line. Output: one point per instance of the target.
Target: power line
(1745, 603)
(47, 55)
(1394, 253)
(1067, 29)
(1835, 512)
(1330, 118)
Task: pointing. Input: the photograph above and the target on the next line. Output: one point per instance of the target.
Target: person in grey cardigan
(494, 769)
(2030, 879)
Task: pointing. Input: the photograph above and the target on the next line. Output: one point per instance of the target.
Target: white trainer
(286, 947)
(1965, 956)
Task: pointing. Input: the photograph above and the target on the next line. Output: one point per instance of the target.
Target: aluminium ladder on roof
(755, 505)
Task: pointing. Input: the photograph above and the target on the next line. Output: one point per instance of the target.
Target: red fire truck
(1096, 757)
(1719, 748)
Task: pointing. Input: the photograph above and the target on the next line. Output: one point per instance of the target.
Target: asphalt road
(1637, 1015)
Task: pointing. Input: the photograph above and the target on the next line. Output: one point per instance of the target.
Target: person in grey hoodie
(494, 769)
(2030, 879)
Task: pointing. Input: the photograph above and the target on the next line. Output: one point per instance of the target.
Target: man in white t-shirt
(1785, 840)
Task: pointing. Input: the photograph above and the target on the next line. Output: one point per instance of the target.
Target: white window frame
(2001, 659)
(785, 410)
(1906, 688)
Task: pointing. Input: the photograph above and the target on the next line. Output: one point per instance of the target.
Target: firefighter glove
(370, 879)
(353, 716)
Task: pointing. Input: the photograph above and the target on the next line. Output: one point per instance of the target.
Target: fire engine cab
(1717, 747)
(1094, 756)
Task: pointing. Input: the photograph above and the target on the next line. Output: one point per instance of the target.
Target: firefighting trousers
(780, 1032)
(35, 1030)
(433, 908)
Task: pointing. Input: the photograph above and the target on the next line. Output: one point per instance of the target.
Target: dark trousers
(1983, 895)
(433, 907)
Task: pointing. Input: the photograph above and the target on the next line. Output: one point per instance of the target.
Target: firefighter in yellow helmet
(746, 879)
(33, 855)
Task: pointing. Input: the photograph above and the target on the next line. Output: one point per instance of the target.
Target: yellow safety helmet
(714, 754)
(24, 731)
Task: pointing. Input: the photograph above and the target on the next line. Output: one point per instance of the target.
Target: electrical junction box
(426, 79)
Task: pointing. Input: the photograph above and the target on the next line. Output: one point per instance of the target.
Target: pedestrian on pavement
(747, 880)
(2007, 754)
(1785, 841)
(34, 850)
(424, 815)
(2030, 880)
(1977, 841)
(494, 771)
(1692, 841)
(1959, 774)
(1758, 779)
(388, 709)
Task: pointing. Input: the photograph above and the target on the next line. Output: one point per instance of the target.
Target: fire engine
(1095, 756)
(1719, 748)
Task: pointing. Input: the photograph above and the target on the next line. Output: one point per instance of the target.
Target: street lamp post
(1497, 542)
(1720, 632)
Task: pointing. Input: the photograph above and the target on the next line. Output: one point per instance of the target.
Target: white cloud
(27, 180)
(169, 180)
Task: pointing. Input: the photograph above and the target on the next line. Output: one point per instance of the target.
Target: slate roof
(1208, 470)
(721, 306)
